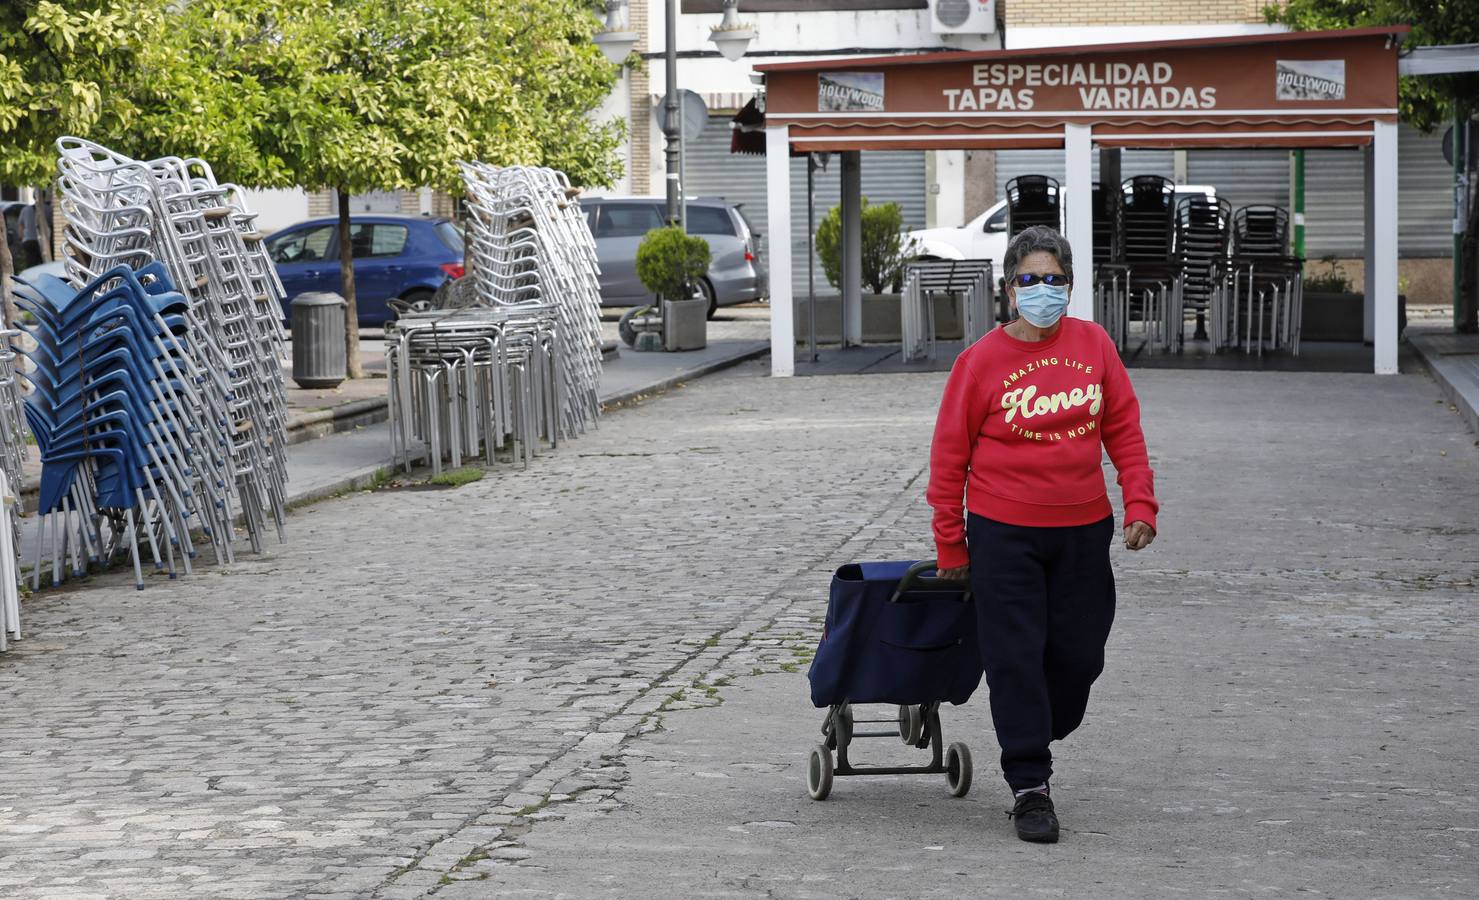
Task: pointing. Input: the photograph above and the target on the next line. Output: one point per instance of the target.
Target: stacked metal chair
(155, 392)
(1203, 236)
(12, 456)
(513, 357)
(1033, 200)
(1111, 276)
(1147, 221)
(967, 279)
(1259, 301)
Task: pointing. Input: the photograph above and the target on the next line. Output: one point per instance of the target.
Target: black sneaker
(1035, 819)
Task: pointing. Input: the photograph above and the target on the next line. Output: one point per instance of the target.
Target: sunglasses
(1051, 280)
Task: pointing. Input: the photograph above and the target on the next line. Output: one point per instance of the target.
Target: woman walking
(1020, 509)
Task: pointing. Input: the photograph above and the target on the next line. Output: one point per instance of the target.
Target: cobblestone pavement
(406, 694)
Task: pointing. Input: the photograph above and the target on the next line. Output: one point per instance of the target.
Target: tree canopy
(352, 94)
(1428, 101)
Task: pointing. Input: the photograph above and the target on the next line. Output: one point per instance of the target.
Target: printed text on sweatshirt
(1020, 432)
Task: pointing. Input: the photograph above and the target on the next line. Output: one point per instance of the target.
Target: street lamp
(731, 36)
(616, 42)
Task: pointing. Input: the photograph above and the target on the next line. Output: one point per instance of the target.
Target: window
(372, 240)
(308, 245)
(997, 221)
(709, 220)
(628, 220)
(450, 236)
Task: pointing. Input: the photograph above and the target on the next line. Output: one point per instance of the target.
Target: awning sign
(850, 92)
(1311, 79)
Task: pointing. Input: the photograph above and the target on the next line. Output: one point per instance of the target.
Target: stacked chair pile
(512, 357)
(1261, 301)
(1203, 235)
(155, 391)
(968, 280)
(12, 454)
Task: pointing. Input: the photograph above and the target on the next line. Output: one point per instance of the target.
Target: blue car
(395, 257)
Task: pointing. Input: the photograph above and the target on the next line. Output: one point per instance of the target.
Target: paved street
(587, 679)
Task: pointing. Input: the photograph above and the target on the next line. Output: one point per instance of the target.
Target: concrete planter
(685, 324)
(881, 320)
(1340, 316)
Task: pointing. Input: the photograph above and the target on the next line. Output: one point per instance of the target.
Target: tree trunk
(7, 269)
(351, 311)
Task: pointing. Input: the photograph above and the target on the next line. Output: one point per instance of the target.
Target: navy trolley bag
(894, 634)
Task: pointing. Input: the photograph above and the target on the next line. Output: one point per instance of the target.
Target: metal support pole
(671, 125)
(1078, 145)
(851, 329)
(1460, 210)
(1298, 203)
(811, 251)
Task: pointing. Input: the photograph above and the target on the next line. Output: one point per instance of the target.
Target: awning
(1300, 89)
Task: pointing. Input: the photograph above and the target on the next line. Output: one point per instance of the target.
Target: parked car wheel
(709, 295)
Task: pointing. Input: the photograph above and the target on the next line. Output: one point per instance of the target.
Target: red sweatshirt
(1019, 435)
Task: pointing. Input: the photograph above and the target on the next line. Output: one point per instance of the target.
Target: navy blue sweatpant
(1044, 603)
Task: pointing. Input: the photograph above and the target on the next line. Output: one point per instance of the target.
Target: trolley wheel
(844, 725)
(911, 724)
(958, 769)
(819, 773)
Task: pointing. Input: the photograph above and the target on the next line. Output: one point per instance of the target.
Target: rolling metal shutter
(1335, 195)
(1242, 177)
(712, 171)
(1011, 163)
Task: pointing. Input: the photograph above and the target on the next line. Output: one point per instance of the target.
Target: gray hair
(1037, 239)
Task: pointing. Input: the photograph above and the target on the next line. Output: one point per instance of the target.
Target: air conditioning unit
(963, 16)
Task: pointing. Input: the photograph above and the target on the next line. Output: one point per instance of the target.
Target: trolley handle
(915, 579)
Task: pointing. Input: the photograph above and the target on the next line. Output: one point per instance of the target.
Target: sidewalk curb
(367, 475)
(345, 417)
(374, 410)
(1436, 367)
(717, 365)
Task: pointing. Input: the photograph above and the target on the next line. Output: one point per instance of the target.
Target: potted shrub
(885, 251)
(1334, 309)
(670, 264)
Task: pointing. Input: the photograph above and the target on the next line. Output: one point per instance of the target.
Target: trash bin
(318, 340)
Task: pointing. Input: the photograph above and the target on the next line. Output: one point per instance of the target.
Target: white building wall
(277, 209)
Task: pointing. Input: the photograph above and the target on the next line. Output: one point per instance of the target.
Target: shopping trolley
(895, 634)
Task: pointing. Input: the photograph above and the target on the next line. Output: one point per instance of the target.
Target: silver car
(736, 272)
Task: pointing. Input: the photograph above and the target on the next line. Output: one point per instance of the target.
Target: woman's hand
(1138, 535)
(959, 573)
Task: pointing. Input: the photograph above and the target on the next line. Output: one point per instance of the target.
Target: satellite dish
(692, 113)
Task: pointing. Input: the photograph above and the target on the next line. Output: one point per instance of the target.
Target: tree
(884, 247)
(1427, 101)
(361, 95)
(352, 95)
(61, 62)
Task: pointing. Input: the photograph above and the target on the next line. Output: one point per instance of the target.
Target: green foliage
(1428, 101)
(457, 477)
(61, 65)
(1332, 280)
(352, 94)
(884, 248)
(670, 263)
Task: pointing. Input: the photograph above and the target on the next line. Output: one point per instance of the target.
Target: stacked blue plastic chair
(116, 411)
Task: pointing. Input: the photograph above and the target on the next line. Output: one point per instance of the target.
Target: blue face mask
(1042, 304)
